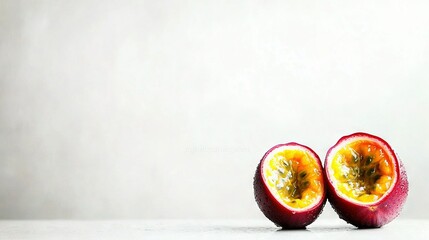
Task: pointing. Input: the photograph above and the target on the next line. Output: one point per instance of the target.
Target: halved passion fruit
(367, 183)
(289, 185)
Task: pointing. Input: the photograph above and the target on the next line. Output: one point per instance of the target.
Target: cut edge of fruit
(275, 192)
(344, 142)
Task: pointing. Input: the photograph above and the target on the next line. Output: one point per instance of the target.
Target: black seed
(370, 172)
(369, 160)
(376, 177)
(356, 171)
(293, 201)
(355, 158)
(302, 174)
(305, 184)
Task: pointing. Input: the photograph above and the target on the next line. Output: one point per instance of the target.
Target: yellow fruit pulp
(363, 171)
(295, 177)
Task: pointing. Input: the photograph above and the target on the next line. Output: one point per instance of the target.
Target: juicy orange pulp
(363, 171)
(295, 177)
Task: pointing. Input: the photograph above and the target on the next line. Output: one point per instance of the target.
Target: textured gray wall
(162, 109)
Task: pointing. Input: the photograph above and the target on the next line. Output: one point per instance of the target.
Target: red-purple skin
(274, 210)
(369, 215)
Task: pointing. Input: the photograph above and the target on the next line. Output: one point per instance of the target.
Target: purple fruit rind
(273, 209)
(370, 215)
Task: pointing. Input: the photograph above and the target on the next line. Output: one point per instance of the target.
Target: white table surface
(205, 229)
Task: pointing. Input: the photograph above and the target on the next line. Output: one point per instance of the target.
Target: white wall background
(162, 109)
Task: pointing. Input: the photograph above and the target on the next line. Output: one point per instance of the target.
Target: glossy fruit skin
(273, 209)
(370, 215)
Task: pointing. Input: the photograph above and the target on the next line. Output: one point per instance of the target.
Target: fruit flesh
(294, 177)
(363, 171)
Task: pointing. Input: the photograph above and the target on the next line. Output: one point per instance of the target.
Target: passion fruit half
(366, 181)
(289, 185)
